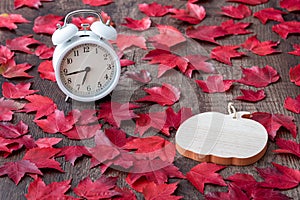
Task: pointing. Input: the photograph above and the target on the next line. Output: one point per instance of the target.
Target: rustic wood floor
(192, 95)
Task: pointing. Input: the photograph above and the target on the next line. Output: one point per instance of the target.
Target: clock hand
(87, 69)
(76, 72)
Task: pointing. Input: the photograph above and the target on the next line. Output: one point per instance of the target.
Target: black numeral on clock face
(76, 53)
(88, 88)
(65, 71)
(105, 56)
(69, 61)
(86, 49)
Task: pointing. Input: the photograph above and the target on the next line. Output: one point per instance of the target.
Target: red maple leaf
(22, 43)
(97, 2)
(285, 28)
(250, 2)
(43, 157)
(55, 190)
(81, 132)
(292, 104)
(4, 143)
(258, 47)
(234, 192)
(18, 91)
(290, 5)
(11, 145)
(147, 171)
(146, 121)
(162, 121)
(279, 177)
(108, 152)
(16, 170)
(198, 62)
(174, 120)
(56, 122)
(153, 191)
(32, 4)
(193, 13)
(102, 188)
(252, 96)
(5, 55)
(205, 173)
(42, 105)
(259, 77)
(11, 131)
(206, 33)
(71, 153)
(137, 25)
(10, 20)
(15, 144)
(154, 9)
(152, 147)
(142, 76)
(272, 123)
(269, 14)
(233, 28)
(166, 61)
(7, 107)
(125, 194)
(13, 70)
(237, 12)
(46, 70)
(47, 142)
(24, 140)
(253, 189)
(245, 181)
(47, 24)
(168, 36)
(164, 95)
(104, 150)
(116, 136)
(296, 51)
(225, 53)
(86, 117)
(288, 146)
(44, 52)
(295, 74)
(214, 84)
(126, 41)
(114, 112)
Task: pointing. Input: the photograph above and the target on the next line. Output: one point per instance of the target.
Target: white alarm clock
(86, 66)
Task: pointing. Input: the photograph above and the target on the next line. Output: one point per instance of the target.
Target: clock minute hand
(87, 69)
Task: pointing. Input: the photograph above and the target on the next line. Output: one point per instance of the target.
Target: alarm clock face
(88, 71)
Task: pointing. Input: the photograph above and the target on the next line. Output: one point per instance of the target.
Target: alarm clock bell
(63, 34)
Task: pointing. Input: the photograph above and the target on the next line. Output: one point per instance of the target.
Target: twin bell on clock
(85, 64)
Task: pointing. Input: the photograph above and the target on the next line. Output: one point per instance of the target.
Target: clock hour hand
(87, 69)
(76, 72)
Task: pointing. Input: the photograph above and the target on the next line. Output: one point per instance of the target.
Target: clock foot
(67, 98)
